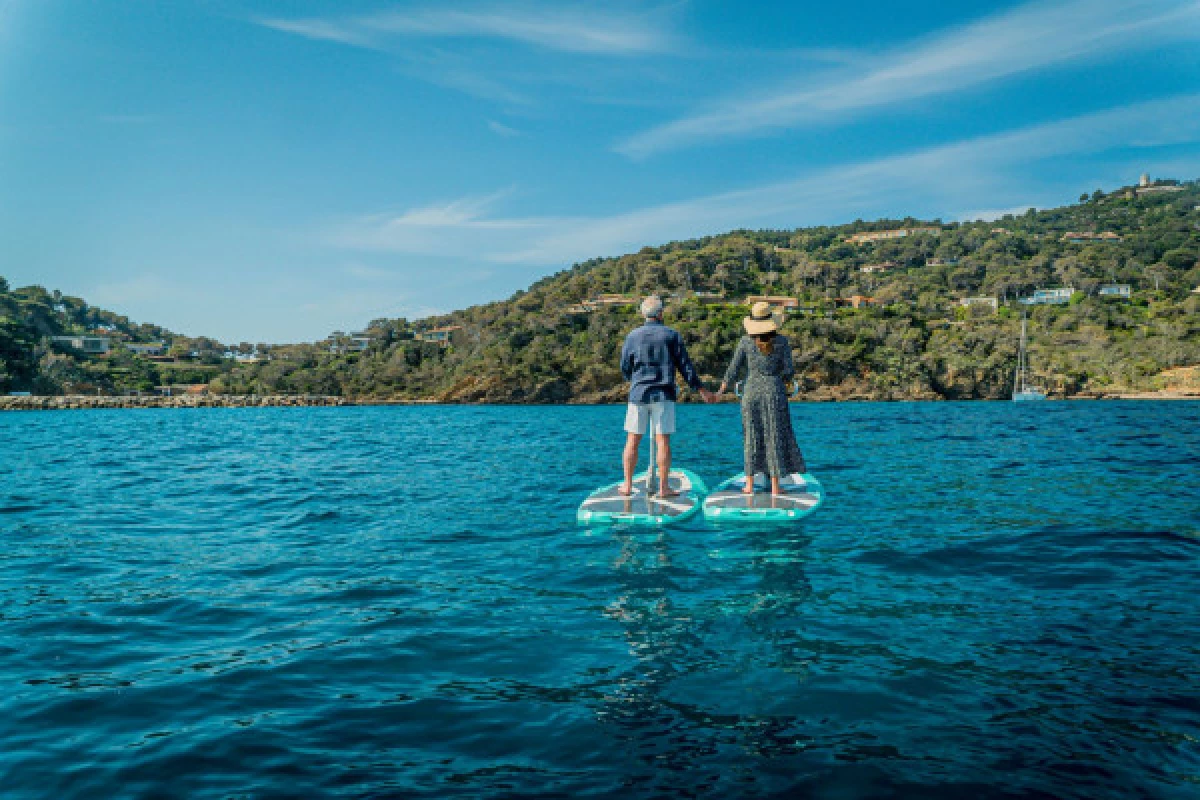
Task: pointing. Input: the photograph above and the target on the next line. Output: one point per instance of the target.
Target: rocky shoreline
(68, 402)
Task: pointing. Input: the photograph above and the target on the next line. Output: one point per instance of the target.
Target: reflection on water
(713, 671)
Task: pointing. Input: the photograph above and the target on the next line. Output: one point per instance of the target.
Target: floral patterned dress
(770, 443)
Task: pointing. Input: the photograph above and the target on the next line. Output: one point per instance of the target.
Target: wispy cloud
(437, 229)
(326, 30)
(552, 27)
(146, 289)
(990, 214)
(366, 272)
(966, 173)
(500, 129)
(128, 119)
(1028, 38)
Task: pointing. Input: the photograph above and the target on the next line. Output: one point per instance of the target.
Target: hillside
(915, 343)
(33, 358)
(558, 341)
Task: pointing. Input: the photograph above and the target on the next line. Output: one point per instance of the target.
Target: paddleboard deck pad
(802, 496)
(606, 506)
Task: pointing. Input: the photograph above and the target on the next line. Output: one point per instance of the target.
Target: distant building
(444, 336)
(1162, 187)
(1085, 237)
(1049, 297)
(857, 301)
(941, 262)
(775, 302)
(581, 308)
(873, 268)
(146, 348)
(613, 300)
(1122, 291)
(92, 345)
(709, 297)
(340, 342)
(1146, 186)
(991, 302)
(895, 233)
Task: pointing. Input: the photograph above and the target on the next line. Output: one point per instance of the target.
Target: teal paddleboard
(606, 506)
(802, 496)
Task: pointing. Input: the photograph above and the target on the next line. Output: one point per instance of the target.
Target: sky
(272, 170)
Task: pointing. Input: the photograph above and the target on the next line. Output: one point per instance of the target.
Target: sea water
(996, 600)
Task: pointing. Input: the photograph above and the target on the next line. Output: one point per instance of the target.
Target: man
(649, 359)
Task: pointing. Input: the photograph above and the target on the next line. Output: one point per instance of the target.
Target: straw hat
(760, 320)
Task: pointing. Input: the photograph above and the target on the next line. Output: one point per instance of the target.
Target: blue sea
(996, 600)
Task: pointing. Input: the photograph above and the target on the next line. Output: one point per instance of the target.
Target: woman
(770, 444)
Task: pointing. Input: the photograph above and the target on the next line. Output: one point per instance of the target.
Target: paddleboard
(802, 496)
(606, 506)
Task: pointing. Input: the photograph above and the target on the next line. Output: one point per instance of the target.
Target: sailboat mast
(1021, 356)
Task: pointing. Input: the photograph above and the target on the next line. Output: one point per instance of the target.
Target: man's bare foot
(667, 491)
(748, 488)
(625, 491)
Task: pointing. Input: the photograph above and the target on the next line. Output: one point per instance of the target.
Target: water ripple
(995, 602)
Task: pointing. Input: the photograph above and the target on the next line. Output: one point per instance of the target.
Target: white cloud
(365, 272)
(128, 119)
(326, 30)
(953, 176)
(991, 214)
(139, 291)
(546, 26)
(500, 129)
(1028, 38)
(455, 227)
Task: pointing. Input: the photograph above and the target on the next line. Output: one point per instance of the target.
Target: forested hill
(31, 359)
(559, 340)
(915, 343)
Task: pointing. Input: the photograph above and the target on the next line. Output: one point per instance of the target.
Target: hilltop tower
(1144, 180)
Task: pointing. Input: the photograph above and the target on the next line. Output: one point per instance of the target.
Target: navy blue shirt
(649, 359)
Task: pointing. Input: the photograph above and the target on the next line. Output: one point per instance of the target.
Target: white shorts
(638, 414)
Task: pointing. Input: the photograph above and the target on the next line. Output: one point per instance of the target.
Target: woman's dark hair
(765, 342)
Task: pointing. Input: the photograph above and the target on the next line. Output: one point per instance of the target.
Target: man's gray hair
(652, 307)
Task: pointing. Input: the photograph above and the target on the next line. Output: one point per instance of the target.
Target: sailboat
(1021, 390)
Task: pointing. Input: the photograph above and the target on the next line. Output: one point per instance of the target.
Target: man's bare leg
(748, 486)
(775, 490)
(629, 461)
(664, 465)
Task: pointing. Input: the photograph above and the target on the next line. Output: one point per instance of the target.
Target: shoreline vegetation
(887, 310)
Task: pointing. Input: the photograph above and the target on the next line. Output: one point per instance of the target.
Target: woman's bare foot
(748, 488)
(667, 491)
(625, 491)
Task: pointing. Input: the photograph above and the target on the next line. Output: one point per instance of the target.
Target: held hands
(708, 396)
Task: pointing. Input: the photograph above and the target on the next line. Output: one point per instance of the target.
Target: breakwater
(67, 402)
